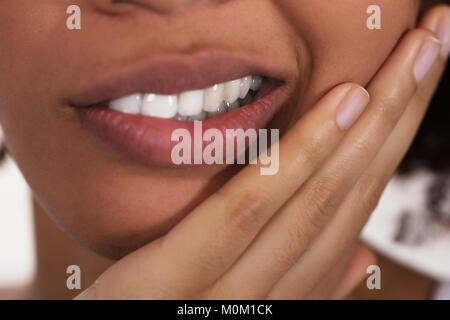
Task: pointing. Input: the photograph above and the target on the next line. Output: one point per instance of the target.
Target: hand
(284, 236)
(345, 282)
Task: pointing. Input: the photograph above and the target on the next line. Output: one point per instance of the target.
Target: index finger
(205, 243)
(215, 234)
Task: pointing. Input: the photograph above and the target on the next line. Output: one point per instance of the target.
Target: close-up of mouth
(191, 105)
(138, 109)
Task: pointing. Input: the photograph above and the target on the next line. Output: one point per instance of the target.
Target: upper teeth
(191, 105)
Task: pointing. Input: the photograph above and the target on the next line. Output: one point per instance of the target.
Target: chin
(116, 240)
(113, 221)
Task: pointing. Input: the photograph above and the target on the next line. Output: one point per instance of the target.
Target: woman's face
(110, 199)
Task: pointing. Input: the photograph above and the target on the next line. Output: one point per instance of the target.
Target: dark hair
(2, 151)
(431, 147)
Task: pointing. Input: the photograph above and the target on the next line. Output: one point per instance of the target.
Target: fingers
(239, 210)
(215, 234)
(228, 236)
(356, 272)
(290, 233)
(344, 275)
(361, 201)
(437, 20)
(328, 283)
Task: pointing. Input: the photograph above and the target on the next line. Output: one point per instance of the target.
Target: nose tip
(161, 6)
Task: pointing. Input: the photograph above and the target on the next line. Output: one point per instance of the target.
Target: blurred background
(17, 259)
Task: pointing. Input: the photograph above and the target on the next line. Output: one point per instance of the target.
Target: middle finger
(291, 231)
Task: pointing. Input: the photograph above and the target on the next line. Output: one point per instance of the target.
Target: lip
(174, 73)
(147, 139)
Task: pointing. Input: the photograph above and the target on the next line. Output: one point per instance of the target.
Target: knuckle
(370, 192)
(215, 261)
(285, 257)
(245, 214)
(297, 238)
(310, 155)
(320, 201)
(370, 202)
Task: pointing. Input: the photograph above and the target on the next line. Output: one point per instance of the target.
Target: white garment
(17, 261)
(404, 229)
(442, 292)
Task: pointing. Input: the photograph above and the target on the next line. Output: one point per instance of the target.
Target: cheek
(342, 47)
(30, 32)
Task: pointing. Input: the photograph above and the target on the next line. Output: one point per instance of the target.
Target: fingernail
(351, 107)
(426, 57)
(443, 34)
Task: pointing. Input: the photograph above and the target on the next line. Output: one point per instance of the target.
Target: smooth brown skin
(296, 231)
(51, 162)
(130, 203)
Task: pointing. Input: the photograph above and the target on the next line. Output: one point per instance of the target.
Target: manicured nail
(426, 57)
(443, 34)
(351, 107)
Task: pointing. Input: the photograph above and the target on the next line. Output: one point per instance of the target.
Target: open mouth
(137, 109)
(191, 105)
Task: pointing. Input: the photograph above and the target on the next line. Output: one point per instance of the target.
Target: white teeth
(245, 85)
(129, 104)
(190, 103)
(214, 97)
(159, 106)
(256, 83)
(232, 90)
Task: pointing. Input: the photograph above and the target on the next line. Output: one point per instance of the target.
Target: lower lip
(148, 140)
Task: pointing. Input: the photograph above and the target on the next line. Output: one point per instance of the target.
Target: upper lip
(149, 139)
(173, 73)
